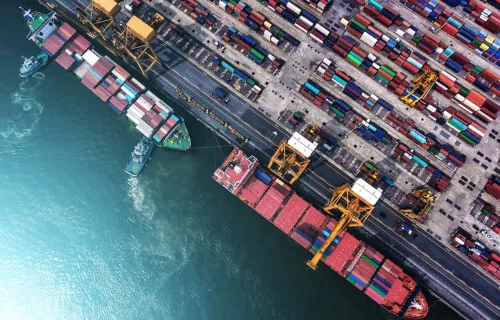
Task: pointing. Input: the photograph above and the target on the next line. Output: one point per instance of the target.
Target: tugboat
(32, 65)
(139, 156)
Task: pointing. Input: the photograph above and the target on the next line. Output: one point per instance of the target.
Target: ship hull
(135, 168)
(360, 264)
(42, 59)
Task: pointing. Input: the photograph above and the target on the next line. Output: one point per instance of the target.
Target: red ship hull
(362, 265)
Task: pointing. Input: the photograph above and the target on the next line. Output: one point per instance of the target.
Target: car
(407, 229)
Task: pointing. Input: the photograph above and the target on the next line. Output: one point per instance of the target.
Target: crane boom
(355, 204)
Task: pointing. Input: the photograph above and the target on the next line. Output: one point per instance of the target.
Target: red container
(339, 50)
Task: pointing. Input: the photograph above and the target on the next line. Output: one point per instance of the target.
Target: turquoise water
(80, 239)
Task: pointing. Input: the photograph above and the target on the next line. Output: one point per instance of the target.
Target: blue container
(288, 16)
(303, 234)
(254, 58)
(388, 181)
(264, 52)
(247, 10)
(387, 283)
(332, 140)
(349, 39)
(385, 104)
(251, 24)
(353, 277)
(342, 105)
(379, 287)
(351, 94)
(291, 39)
(362, 129)
(368, 135)
(372, 128)
(240, 74)
(482, 86)
(312, 88)
(418, 136)
(232, 30)
(262, 176)
(248, 39)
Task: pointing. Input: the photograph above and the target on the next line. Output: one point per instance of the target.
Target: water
(82, 240)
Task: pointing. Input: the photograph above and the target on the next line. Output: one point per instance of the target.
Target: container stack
(470, 131)
(53, 45)
(319, 5)
(482, 43)
(65, 32)
(365, 268)
(251, 48)
(383, 281)
(119, 102)
(165, 129)
(100, 70)
(308, 227)
(384, 15)
(257, 21)
(488, 259)
(148, 113)
(66, 59)
(493, 187)
(483, 16)
(199, 13)
(291, 12)
(321, 238)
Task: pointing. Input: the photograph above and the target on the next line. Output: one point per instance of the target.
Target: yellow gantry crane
(134, 42)
(292, 158)
(99, 15)
(423, 206)
(355, 204)
(422, 85)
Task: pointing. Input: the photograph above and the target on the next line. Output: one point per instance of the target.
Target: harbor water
(81, 239)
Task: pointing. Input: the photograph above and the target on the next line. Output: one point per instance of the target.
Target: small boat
(139, 156)
(32, 65)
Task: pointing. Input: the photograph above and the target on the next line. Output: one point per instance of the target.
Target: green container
(486, 212)
(464, 92)
(225, 65)
(337, 112)
(257, 54)
(380, 293)
(477, 42)
(358, 24)
(441, 156)
(357, 56)
(455, 126)
(389, 71)
(369, 165)
(386, 141)
(370, 261)
(233, 2)
(477, 69)
(298, 115)
(469, 141)
(280, 34)
(433, 151)
(250, 81)
(356, 62)
(415, 40)
(381, 76)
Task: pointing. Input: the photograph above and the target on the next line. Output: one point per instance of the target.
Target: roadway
(445, 273)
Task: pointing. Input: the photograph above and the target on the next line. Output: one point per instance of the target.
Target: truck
(221, 94)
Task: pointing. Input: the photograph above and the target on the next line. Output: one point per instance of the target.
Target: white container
(293, 8)
(132, 117)
(448, 75)
(400, 32)
(372, 57)
(385, 38)
(267, 35)
(439, 50)
(471, 105)
(459, 97)
(465, 108)
(309, 23)
(165, 107)
(365, 96)
(314, 38)
(222, 4)
(321, 70)
(376, 66)
(138, 84)
(374, 97)
(136, 111)
(442, 85)
(411, 32)
(300, 28)
(485, 115)
(327, 61)
(90, 57)
(128, 92)
(446, 115)
(321, 29)
(274, 40)
(431, 108)
(271, 57)
(472, 128)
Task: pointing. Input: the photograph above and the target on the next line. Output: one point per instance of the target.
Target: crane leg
(343, 222)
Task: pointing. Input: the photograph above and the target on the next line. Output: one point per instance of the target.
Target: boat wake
(137, 193)
(23, 112)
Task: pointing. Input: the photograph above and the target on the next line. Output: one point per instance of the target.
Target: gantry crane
(134, 42)
(422, 85)
(99, 15)
(291, 158)
(355, 205)
(422, 207)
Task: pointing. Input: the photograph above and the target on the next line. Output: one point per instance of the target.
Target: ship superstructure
(41, 25)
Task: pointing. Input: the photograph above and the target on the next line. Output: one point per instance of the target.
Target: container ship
(360, 264)
(124, 94)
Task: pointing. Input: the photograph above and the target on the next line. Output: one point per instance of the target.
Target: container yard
(383, 91)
